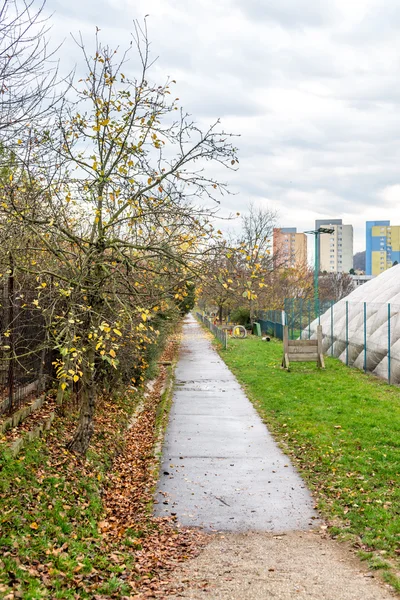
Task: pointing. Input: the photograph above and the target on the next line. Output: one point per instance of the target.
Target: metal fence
(25, 361)
(271, 322)
(300, 313)
(364, 335)
(220, 334)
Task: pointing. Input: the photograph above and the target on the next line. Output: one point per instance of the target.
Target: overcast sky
(313, 89)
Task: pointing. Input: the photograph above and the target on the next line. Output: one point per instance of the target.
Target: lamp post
(316, 233)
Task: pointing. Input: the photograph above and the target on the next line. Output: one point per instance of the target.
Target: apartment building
(382, 246)
(335, 249)
(289, 247)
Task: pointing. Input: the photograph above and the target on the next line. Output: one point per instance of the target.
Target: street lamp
(316, 233)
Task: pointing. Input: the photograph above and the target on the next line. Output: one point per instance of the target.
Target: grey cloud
(95, 12)
(289, 13)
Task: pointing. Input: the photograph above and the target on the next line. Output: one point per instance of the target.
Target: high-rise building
(335, 249)
(289, 247)
(325, 223)
(382, 246)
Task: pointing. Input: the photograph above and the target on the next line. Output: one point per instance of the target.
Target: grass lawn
(342, 428)
(50, 507)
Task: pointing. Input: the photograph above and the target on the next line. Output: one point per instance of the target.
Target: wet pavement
(221, 470)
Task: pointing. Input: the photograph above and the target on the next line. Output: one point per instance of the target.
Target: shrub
(240, 315)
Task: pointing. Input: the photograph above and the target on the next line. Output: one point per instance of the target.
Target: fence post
(332, 328)
(301, 314)
(10, 327)
(365, 337)
(388, 354)
(292, 319)
(347, 332)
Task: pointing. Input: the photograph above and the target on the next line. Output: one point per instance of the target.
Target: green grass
(50, 508)
(342, 429)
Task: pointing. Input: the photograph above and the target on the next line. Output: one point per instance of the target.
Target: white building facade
(336, 249)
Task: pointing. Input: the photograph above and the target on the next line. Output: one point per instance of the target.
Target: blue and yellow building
(382, 246)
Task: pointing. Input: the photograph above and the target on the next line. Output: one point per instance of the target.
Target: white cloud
(312, 88)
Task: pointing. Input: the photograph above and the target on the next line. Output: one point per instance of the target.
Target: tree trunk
(84, 431)
(220, 315)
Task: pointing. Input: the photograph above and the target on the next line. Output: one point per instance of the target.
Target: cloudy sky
(313, 89)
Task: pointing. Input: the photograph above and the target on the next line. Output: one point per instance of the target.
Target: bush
(240, 315)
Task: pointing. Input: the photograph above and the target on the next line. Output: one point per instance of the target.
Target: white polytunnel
(370, 314)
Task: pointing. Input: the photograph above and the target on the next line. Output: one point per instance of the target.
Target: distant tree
(352, 272)
(335, 286)
(395, 263)
(255, 243)
(186, 297)
(359, 261)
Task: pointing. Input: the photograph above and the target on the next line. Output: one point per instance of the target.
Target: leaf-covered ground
(83, 529)
(342, 428)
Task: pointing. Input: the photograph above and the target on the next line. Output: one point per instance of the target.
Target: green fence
(301, 313)
(271, 322)
(220, 334)
(365, 335)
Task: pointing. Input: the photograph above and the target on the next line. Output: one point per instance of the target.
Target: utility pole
(316, 233)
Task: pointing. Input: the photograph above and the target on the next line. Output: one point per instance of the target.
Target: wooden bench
(302, 350)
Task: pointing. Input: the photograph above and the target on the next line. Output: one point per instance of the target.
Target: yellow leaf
(112, 353)
(76, 378)
(63, 386)
(144, 317)
(117, 331)
(34, 525)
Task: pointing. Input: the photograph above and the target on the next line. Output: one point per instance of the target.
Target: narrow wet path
(221, 469)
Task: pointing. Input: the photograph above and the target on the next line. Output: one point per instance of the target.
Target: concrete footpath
(221, 469)
(222, 472)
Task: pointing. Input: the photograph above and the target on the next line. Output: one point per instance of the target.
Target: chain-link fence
(220, 334)
(298, 314)
(361, 334)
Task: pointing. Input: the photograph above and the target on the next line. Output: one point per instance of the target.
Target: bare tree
(257, 231)
(335, 286)
(28, 69)
(256, 241)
